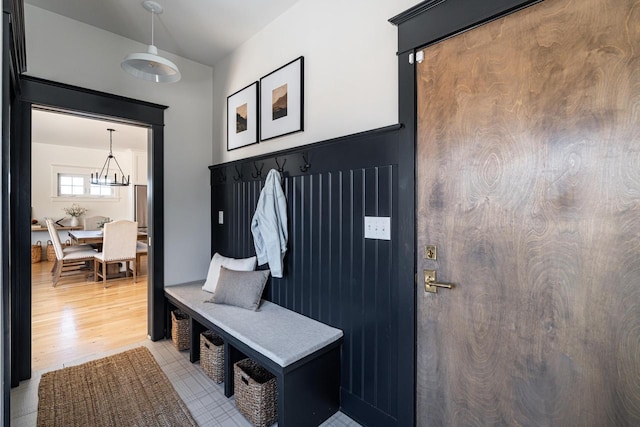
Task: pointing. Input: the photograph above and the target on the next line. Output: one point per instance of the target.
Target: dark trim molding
(95, 104)
(67, 97)
(13, 10)
(406, 237)
(20, 219)
(415, 11)
(435, 20)
(305, 148)
(5, 228)
(13, 63)
(155, 193)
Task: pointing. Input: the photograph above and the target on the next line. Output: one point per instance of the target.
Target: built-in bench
(302, 353)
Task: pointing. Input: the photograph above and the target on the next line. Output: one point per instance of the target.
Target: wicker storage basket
(212, 355)
(36, 252)
(51, 252)
(180, 333)
(255, 393)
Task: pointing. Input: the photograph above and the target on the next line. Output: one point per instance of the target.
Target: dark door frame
(39, 92)
(11, 66)
(425, 24)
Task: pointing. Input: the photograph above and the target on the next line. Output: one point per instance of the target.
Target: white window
(79, 185)
(69, 185)
(101, 190)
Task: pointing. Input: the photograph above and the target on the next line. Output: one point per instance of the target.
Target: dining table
(95, 236)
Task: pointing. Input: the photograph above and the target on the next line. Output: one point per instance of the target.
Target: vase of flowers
(74, 212)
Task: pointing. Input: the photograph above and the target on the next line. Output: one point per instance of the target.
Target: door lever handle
(430, 284)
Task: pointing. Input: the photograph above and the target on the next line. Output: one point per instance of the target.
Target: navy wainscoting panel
(332, 273)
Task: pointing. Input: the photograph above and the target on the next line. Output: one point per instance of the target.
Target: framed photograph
(242, 117)
(282, 101)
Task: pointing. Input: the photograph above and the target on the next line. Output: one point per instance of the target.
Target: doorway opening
(79, 317)
(89, 103)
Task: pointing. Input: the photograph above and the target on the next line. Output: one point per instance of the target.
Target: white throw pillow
(244, 264)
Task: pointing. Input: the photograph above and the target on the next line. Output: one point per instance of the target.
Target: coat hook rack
(306, 166)
(281, 166)
(239, 176)
(258, 171)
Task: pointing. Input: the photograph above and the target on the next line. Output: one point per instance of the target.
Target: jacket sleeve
(258, 241)
(269, 225)
(278, 229)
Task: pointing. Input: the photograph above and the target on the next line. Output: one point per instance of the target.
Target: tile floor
(205, 399)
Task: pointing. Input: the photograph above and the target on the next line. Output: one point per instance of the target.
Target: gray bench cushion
(280, 334)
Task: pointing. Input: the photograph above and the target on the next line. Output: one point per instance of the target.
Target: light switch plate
(220, 217)
(377, 227)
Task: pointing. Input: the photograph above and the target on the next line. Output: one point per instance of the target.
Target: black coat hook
(258, 171)
(281, 167)
(239, 176)
(222, 176)
(306, 166)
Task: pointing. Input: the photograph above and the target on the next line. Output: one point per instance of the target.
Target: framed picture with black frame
(242, 117)
(282, 100)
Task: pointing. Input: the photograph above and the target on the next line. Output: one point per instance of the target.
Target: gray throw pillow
(240, 288)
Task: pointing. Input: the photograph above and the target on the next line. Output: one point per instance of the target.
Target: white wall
(48, 159)
(351, 78)
(68, 51)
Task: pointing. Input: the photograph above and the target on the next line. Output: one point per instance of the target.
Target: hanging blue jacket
(269, 224)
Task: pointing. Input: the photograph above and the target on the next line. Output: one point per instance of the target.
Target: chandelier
(103, 177)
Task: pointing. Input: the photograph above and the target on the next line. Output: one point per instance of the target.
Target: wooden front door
(528, 183)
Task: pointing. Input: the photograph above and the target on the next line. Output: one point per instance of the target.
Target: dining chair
(51, 227)
(70, 260)
(93, 222)
(119, 246)
(67, 248)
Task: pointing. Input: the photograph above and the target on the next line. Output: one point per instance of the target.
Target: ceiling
(49, 127)
(204, 31)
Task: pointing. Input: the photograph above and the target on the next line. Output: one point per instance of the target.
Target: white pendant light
(148, 65)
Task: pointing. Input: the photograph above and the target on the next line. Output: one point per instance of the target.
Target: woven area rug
(126, 389)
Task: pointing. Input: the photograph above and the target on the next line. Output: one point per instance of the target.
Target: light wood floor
(80, 318)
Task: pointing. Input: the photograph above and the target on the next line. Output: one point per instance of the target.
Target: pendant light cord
(152, 13)
(110, 142)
